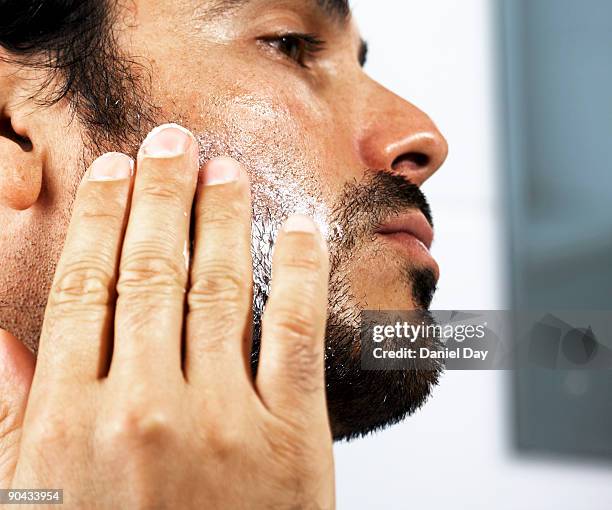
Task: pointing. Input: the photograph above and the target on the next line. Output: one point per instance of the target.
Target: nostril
(410, 161)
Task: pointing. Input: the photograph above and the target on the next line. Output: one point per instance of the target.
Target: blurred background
(522, 89)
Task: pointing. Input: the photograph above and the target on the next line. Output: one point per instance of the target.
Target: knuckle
(161, 191)
(82, 282)
(149, 426)
(216, 283)
(304, 259)
(134, 435)
(8, 424)
(147, 265)
(50, 432)
(222, 443)
(108, 215)
(307, 362)
(223, 215)
(301, 351)
(297, 320)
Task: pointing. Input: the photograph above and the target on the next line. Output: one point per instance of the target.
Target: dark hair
(73, 41)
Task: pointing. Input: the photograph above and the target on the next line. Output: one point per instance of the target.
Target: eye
(298, 47)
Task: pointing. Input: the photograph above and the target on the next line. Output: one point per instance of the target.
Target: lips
(412, 224)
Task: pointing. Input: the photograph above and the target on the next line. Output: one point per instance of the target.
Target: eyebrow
(339, 8)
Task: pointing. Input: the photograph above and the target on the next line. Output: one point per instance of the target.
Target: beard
(359, 401)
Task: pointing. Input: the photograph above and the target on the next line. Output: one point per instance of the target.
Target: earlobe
(20, 168)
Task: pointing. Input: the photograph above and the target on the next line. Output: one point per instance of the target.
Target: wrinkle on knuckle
(307, 261)
(83, 282)
(302, 353)
(9, 426)
(159, 191)
(97, 217)
(221, 216)
(147, 266)
(215, 283)
(306, 361)
(296, 320)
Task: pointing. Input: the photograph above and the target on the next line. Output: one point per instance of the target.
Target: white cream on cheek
(284, 180)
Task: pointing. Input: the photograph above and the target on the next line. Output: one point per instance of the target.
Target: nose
(400, 138)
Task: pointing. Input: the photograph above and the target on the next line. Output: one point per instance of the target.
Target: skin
(241, 97)
(251, 102)
(143, 448)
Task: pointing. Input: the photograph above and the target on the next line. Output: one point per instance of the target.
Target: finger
(218, 349)
(16, 371)
(153, 269)
(290, 377)
(79, 313)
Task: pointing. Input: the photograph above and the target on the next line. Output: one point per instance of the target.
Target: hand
(117, 417)
(16, 371)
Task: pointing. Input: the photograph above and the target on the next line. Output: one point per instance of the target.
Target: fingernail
(220, 171)
(167, 141)
(112, 166)
(301, 224)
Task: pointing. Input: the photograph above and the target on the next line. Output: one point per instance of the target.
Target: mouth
(412, 224)
(412, 234)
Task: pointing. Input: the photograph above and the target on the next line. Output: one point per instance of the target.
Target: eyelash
(308, 45)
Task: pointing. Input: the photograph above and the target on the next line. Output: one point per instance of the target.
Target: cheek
(277, 127)
(270, 137)
(287, 173)
(279, 120)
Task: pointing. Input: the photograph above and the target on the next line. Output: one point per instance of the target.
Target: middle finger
(153, 269)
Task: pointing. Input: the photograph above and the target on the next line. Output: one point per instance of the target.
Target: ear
(21, 163)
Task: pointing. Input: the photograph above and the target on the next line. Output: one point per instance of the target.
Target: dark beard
(359, 401)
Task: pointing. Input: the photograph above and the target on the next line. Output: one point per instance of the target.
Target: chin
(361, 402)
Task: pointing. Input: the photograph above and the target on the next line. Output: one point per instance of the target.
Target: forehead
(336, 13)
(219, 16)
(338, 10)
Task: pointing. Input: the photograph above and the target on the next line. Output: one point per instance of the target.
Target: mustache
(366, 205)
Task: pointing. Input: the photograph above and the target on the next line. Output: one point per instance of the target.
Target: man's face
(278, 85)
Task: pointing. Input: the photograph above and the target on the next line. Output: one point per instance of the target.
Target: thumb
(16, 372)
